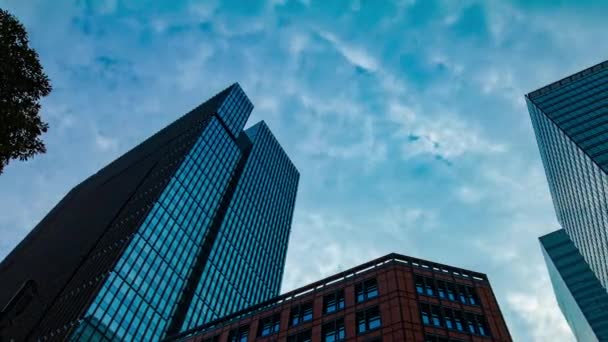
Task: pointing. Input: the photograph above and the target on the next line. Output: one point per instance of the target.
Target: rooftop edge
(329, 281)
(577, 75)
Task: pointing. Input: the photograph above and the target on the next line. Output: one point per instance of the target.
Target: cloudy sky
(406, 119)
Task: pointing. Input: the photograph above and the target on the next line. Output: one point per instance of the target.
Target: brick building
(393, 298)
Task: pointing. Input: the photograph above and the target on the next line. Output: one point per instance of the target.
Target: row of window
(332, 302)
(453, 319)
(334, 331)
(369, 319)
(446, 290)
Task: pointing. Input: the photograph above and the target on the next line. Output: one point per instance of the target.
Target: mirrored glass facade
(579, 293)
(246, 262)
(570, 119)
(141, 292)
(202, 232)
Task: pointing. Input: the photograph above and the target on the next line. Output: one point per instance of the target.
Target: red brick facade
(398, 301)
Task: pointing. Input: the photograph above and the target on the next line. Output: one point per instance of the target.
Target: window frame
(365, 289)
(298, 312)
(240, 333)
(366, 315)
(339, 302)
(338, 331)
(273, 322)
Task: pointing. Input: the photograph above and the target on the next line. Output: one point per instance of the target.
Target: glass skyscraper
(188, 226)
(570, 119)
(580, 296)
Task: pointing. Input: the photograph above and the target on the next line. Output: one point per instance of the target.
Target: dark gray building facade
(570, 119)
(189, 226)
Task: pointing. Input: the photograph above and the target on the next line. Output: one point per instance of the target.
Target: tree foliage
(22, 84)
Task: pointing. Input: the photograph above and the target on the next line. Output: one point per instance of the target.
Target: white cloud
(191, 69)
(321, 233)
(399, 220)
(305, 2)
(105, 143)
(537, 308)
(469, 195)
(401, 113)
(367, 148)
(451, 19)
(278, 2)
(339, 128)
(319, 237)
(444, 135)
(159, 25)
(405, 3)
(203, 10)
(393, 85)
(268, 104)
(354, 55)
(105, 7)
(298, 43)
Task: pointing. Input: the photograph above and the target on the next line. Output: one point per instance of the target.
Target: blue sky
(406, 119)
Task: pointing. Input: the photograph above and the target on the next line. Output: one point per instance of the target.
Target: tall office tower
(190, 225)
(394, 298)
(570, 119)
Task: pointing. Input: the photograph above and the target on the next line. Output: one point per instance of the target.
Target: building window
(426, 286)
(429, 288)
(458, 321)
(419, 284)
(269, 325)
(482, 327)
(436, 316)
(300, 314)
(215, 338)
(239, 334)
(442, 289)
(472, 296)
(366, 290)
(450, 290)
(448, 319)
(304, 336)
(462, 294)
(476, 324)
(471, 324)
(333, 302)
(333, 331)
(368, 320)
(425, 313)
